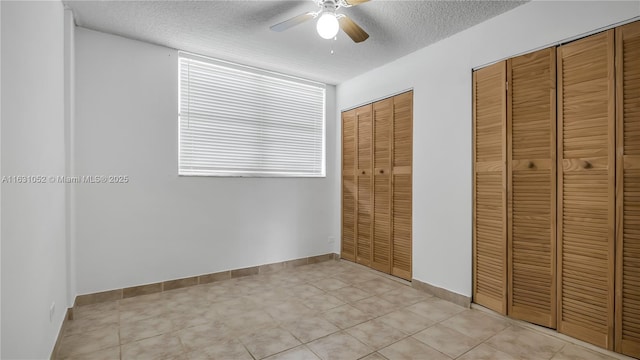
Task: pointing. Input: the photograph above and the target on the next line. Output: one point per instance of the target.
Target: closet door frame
(623, 162)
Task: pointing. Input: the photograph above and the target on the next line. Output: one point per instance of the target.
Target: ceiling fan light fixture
(327, 25)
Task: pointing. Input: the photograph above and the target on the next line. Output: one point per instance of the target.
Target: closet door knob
(586, 165)
(363, 172)
(531, 165)
(381, 171)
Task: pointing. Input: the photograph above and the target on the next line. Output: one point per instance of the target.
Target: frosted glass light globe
(327, 26)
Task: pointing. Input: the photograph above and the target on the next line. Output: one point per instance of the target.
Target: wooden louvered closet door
(364, 215)
(348, 244)
(531, 141)
(628, 189)
(586, 186)
(490, 185)
(382, 118)
(402, 150)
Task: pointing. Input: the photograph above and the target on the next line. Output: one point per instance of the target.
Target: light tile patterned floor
(332, 311)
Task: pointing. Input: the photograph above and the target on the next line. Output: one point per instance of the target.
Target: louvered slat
(489, 204)
(347, 247)
(382, 118)
(531, 117)
(628, 189)
(365, 182)
(586, 189)
(402, 146)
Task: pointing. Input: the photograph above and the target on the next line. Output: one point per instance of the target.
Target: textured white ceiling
(239, 30)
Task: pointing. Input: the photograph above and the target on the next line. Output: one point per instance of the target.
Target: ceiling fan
(328, 21)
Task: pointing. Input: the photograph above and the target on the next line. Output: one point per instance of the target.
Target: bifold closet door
(382, 119)
(402, 150)
(628, 189)
(586, 189)
(348, 244)
(490, 187)
(364, 178)
(531, 141)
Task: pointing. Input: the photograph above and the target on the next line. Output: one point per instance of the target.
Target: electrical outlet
(52, 310)
(331, 240)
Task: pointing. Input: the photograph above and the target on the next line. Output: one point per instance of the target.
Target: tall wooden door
(382, 119)
(348, 244)
(490, 187)
(531, 142)
(586, 189)
(628, 189)
(402, 150)
(364, 176)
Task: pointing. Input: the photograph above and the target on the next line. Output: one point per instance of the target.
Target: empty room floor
(331, 310)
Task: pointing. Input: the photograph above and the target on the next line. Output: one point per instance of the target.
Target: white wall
(161, 226)
(33, 215)
(441, 78)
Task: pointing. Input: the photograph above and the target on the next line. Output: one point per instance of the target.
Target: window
(240, 121)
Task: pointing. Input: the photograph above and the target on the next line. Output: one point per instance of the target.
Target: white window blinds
(239, 121)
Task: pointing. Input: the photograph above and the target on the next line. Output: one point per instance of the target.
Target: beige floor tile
(436, 309)
(405, 296)
(308, 304)
(357, 276)
(379, 286)
(339, 346)
(140, 302)
(330, 284)
(476, 324)
(304, 291)
(411, 349)
(268, 342)
(486, 352)
(322, 302)
(141, 312)
(156, 348)
(446, 340)
(575, 352)
(189, 318)
(374, 356)
(134, 331)
(350, 294)
(95, 322)
(525, 344)
(289, 310)
(95, 310)
(406, 321)
(112, 353)
(202, 336)
(221, 349)
(375, 306)
(376, 334)
(298, 353)
(346, 316)
(310, 328)
(249, 322)
(90, 341)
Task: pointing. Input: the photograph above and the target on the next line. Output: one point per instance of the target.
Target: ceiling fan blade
(354, 2)
(352, 29)
(296, 20)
